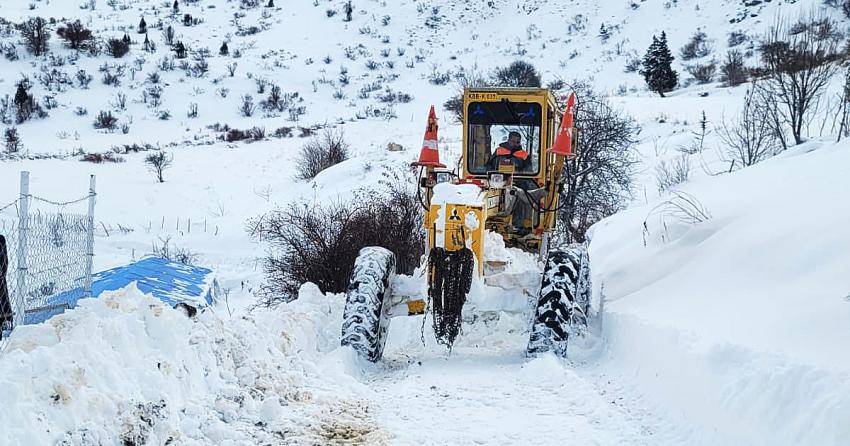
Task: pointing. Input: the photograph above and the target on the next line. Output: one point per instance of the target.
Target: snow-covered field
(733, 330)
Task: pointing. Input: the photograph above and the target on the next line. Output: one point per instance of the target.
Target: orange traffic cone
(564, 141)
(429, 156)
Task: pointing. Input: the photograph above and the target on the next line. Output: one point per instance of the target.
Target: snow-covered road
(487, 392)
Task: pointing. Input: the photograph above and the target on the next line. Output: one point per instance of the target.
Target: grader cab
(515, 143)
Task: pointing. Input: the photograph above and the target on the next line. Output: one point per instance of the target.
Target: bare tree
(843, 113)
(798, 62)
(35, 34)
(599, 177)
(750, 137)
(158, 163)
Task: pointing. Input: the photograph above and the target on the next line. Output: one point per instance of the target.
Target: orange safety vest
(504, 151)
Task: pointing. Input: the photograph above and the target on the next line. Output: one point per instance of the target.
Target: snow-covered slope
(731, 330)
(740, 321)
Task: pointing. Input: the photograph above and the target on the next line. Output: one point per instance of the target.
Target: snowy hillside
(722, 304)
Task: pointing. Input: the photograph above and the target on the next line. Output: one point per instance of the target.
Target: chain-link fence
(48, 255)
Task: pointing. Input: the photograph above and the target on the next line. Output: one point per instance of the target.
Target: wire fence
(48, 255)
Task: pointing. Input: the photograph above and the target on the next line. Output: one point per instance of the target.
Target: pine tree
(224, 50)
(657, 67)
(176, 7)
(271, 4)
(604, 34)
(143, 26)
(148, 45)
(349, 9)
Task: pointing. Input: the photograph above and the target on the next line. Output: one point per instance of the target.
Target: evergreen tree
(176, 7)
(143, 26)
(657, 67)
(604, 34)
(271, 4)
(349, 9)
(224, 50)
(126, 39)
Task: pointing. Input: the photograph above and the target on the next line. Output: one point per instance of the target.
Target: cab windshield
(491, 125)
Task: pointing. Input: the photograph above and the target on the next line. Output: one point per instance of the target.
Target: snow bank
(739, 323)
(125, 367)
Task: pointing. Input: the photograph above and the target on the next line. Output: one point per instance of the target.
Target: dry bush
(319, 243)
(750, 137)
(166, 250)
(703, 73)
(99, 158)
(321, 152)
(672, 173)
(698, 46)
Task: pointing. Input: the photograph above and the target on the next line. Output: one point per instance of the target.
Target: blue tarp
(168, 281)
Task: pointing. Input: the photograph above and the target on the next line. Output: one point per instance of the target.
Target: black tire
(563, 301)
(364, 324)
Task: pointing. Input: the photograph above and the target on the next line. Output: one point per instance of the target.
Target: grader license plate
(483, 96)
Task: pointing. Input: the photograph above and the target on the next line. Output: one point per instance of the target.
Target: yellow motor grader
(515, 144)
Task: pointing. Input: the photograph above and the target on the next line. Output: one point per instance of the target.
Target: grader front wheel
(365, 324)
(563, 301)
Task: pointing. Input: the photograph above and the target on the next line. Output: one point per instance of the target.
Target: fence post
(23, 228)
(90, 238)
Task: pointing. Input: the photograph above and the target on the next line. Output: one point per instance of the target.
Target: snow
(749, 303)
(729, 331)
(216, 381)
(460, 194)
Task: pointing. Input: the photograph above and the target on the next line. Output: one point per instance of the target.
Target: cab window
(491, 124)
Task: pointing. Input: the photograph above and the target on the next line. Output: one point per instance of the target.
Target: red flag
(564, 140)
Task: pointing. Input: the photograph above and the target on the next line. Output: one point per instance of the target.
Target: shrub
(252, 134)
(698, 46)
(517, 74)
(117, 48)
(171, 252)
(98, 158)
(733, 71)
(672, 173)
(76, 35)
(105, 121)
(703, 73)
(12, 140)
(26, 107)
(283, 132)
(736, 38)
(247, 107)
(320, 153)
(320, 243)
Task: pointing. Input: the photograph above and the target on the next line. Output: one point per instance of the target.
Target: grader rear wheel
(563, 301)
(364, 326)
